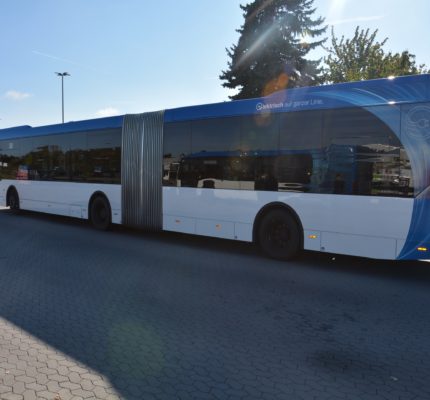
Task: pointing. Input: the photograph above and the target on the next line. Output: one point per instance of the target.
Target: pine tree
(362, 57)
(273, 43)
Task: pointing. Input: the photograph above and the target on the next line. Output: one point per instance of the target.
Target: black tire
(13, 200)
(100, 213)
(279, 235)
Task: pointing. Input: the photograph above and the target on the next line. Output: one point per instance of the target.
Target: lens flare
(276, 84)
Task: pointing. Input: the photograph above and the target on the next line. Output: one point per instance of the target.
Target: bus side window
(104, 156)
(362, 149)
(8, 159)
(15, 159)
(76, 157)
(260, 146)
(215, 142)
(176, 148)
(301, 165)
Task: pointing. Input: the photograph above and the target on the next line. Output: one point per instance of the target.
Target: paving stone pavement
(133, 316)
(31, 370)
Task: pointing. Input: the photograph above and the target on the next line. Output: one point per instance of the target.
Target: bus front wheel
(13, 199)
(279, 235)
(100, 213)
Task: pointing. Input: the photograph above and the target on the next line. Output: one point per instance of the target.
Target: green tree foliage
(363, 57)
(273, 43)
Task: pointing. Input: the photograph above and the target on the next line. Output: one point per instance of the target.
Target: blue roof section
(399, 90)
(406, 89)
(77, 126)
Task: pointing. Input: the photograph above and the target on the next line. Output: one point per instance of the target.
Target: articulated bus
(340, 168)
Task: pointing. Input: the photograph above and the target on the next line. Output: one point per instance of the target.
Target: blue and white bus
(340, 168)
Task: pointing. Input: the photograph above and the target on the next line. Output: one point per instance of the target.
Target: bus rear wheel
(100, 213)
(13, 200)
(279, 235)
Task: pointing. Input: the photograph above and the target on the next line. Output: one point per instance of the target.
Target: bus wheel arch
(12, 198)
(99, 211)
(278, 231)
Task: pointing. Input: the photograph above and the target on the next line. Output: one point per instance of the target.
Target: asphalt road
(133, 315)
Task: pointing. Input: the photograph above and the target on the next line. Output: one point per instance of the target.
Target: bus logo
(418, 122)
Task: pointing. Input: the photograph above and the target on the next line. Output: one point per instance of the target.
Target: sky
(133, 56)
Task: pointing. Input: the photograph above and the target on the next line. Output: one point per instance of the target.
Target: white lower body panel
(62, 198)
(355, 225)
(365, 226)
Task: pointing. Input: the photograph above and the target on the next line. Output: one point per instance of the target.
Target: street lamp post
(62, 74)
